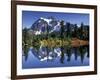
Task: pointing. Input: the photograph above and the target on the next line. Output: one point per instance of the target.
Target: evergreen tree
(68, 30)
(75, 30)
(62, 29)
(81, 31)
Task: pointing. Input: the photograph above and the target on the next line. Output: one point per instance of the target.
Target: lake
(50, 57)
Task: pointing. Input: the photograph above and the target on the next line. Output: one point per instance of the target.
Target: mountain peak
(46, 19)
(42, 25)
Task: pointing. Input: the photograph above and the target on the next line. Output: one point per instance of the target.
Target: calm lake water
(44, 57)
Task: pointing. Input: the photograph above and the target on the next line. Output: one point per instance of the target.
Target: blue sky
(29, 17)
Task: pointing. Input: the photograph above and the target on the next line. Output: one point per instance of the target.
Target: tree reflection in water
(45, 53)
(25, 51)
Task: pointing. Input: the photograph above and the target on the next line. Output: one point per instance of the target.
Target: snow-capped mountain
(43, 25)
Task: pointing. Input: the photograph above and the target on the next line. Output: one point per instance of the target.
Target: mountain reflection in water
(64, 56)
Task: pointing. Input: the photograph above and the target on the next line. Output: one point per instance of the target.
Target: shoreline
(73, 42)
